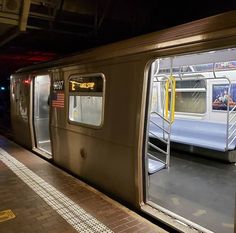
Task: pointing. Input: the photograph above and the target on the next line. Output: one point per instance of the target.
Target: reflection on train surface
(41, 113)
(150, 121)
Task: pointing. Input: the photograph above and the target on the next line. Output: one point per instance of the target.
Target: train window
(86, 98)
(191, 96)
(191, 102)
(200, 83)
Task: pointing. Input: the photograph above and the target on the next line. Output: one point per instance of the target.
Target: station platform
(39, 197)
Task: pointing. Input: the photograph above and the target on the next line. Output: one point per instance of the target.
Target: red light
(27, 81)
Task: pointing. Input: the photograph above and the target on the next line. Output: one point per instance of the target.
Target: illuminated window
(86, 99)
(190, 96)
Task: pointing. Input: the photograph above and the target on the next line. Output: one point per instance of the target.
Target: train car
(111, 115)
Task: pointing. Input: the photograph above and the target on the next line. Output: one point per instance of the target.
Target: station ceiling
(38, 30)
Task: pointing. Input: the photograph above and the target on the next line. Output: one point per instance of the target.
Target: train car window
(191, 102)
(191, 96)
(86, 98)
(190, 84)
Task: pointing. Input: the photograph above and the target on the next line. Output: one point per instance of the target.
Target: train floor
(45, 146)
(37, 197)
(198, 189)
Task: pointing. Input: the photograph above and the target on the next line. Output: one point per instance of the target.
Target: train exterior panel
(20, 115)
(96, 107)
(98, 154)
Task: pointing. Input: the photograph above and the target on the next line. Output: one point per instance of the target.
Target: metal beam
(79, 34)
(96, 18)
(8, 36)
(9, 18)
(104, 14)
(51, 18)
(98, 22)
(24, 15)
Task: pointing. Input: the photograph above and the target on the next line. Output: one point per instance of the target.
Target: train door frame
(166, 117)
(159, 212)
(167, 216)
(44, 153)
(156, 210)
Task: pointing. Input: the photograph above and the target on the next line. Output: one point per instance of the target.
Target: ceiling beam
(79, 34)
(14, 19)
(9, 18)
(104, 13)
(98, 22)
(24, 15)
(51, 18)
(9, 35)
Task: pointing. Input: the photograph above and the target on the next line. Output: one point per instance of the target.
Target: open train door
(160, 117)
(197, 192)
(41, 112)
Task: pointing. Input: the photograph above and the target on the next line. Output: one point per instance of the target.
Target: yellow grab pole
(167, 98)
(172, 107)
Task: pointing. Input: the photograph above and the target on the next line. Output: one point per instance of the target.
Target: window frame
(86, 94)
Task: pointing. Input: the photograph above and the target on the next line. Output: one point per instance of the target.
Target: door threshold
(43, 153)
(171, 219)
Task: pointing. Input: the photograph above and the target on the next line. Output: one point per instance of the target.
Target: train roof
(211, 28)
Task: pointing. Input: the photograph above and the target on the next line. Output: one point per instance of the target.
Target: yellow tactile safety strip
(6, 215)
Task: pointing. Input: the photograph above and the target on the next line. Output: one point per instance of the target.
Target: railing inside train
(230, 114)
(164, 139)
(230, 118)
(231, 127)
(162, 124)
(165, 117)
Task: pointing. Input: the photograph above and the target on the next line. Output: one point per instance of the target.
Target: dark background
(55, 28)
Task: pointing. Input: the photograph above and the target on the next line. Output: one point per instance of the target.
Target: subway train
(112, 114)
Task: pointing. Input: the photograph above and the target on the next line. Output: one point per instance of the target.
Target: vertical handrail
(173, 99)
(227, 138)
(171, 112)
(227, 125)
(171, 83)
(166, 116)
(167, 98)
(169, 125)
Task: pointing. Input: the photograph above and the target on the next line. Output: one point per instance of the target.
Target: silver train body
(90, 112)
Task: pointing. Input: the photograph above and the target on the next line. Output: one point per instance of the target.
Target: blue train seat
(204, 134)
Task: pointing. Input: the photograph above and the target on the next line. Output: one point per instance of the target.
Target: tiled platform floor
(35, 215)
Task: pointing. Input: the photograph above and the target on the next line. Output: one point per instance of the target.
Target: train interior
(41, 114)
(191, 139)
